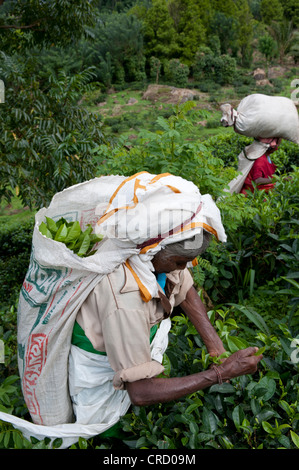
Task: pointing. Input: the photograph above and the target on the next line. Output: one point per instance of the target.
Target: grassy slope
(121, 118)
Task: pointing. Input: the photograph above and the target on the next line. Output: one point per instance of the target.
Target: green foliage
(160, 36)
(15, 248)
(262, 249)
(250, 412)
(46, 138)
(271, 10)
(188, 18)
(60, 22)
(267, 46)
(71, 234)
(168, 150)
(116, 51)
(208, 66)
(177, 73)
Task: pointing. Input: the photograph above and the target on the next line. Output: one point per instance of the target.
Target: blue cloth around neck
(161, 278)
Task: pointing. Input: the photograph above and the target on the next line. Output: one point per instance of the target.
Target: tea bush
(249, 284)
(15, 248)
(250, 412)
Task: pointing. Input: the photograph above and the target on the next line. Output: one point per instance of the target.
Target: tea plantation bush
(249, 284)
(15, 248)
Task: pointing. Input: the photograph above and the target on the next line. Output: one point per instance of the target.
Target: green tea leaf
(235, 343)
(295, 438)
(84, 245)
(267, 427)
(70, 233)
(61, 233)
(45, 231)
(51, 225)
(95, 238)
(253, 316)
(260, 351)
(61, 221)
(73, 233)
(238, 416)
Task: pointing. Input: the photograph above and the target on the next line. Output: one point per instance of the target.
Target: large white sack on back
(262, 116)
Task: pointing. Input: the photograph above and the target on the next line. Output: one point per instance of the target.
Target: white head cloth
(147, 212)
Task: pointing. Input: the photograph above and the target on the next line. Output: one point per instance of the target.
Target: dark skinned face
(166, 264)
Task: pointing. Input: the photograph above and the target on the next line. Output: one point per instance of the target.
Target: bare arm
(196, 311)
(160, 390)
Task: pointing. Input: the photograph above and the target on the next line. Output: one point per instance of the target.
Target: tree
(187, 16)
(177, 72)
(294, 48)
(155, 68)
(283, 33)
(58, 22)
(218, 68)
(46, 138)
(227, 31)
(123, 40)
(245, 31)
(160, 36)
(271, 10)
(267, 46)
(291, 11)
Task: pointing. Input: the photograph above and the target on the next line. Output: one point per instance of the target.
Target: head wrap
(191, 247)
(148, 212)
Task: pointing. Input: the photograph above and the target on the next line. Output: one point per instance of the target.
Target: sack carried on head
(263, 116)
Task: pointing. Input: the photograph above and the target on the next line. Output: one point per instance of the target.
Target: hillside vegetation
(108, 87)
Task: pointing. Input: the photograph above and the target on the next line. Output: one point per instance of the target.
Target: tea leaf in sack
(61, 221)
(70, 233)
(51, 225)
(73, 233)
(45, 231)
(84, 245)
(88, 230)
(61, 233)
(95, 238)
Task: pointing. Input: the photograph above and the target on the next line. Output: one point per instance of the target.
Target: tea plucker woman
(116, 320)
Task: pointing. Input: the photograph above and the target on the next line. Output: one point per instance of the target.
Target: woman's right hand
(239, 363)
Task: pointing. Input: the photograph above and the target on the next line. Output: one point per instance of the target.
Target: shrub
(220, 69)
(177, 73)
(46, 137)
(250, 412)
(15, 249)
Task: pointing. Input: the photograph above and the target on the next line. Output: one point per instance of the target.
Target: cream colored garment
(138, 216)
(118, 321)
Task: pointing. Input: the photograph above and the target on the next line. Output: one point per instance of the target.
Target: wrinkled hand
(241, 362)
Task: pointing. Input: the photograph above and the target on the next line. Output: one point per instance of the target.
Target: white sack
(95, 399)
(263, 116)
(58, 281)
(246, 160)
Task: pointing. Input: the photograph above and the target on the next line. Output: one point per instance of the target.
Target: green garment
(80, 340)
